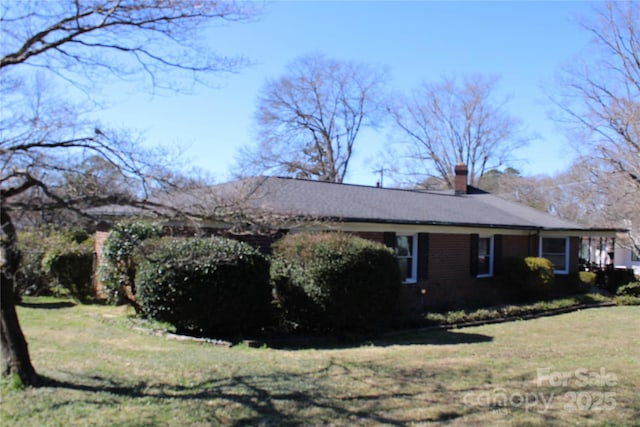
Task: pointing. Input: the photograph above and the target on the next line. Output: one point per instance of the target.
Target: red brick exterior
(519, 246)
(102, 230)
(449, 282)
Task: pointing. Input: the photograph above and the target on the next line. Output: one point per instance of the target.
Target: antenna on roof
(381, 171)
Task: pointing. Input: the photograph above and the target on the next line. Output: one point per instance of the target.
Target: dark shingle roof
(371, 204)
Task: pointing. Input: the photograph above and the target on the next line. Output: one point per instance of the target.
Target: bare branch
(309, 120)
(444, 124)
(598, 99)
(125, 37)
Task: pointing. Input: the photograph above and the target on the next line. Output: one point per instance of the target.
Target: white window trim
(566, 252)
(414, 258)
(491, 256)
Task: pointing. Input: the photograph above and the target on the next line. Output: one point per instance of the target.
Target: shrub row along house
(448, 243)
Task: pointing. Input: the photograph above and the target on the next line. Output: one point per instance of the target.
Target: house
(626, 258)
(447, 242)
(609, 254)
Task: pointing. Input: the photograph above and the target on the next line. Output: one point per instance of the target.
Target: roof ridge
(348, 184)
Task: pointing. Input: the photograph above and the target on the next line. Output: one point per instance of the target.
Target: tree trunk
(15, 352)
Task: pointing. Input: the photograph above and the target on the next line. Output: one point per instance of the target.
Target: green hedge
(527, 278)
(334, 282)
(117, 268)
(630, 289)
(70, 266)
(55, 262)
(209, 287)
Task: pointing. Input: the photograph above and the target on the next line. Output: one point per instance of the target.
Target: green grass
(102, 370)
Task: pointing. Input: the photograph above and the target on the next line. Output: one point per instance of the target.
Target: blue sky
(524, 43)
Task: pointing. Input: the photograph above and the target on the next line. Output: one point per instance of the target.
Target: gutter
(476, 225)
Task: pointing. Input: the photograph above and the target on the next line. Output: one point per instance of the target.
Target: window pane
(405, 255)
(554, 246)
(405, 268)
(558, 261)
(555, 250)
(404, 245)
(484, 265)
(484, 256)
(484, 244)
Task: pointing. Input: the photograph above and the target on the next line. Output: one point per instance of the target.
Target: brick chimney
(460, 183)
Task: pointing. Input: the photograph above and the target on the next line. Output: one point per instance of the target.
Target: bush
(208, 287)
(630, 289)
(527, 278)
(70, 266)
(55, 262)
(117, 268)
(30, 279)
(588, 278)
(334, 282)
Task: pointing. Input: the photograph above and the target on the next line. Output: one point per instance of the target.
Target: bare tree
(511, 185)
(309, 119)
(446, 123)
(599, 100)
(47, 146)
(572, 194)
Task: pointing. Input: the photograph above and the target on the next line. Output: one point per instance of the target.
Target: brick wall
(449, 281)
(102, 230)
(449, 257)
(518, 246)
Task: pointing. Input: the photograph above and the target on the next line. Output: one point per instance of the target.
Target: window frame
(567, 244)
(414, 256)
(491, 255)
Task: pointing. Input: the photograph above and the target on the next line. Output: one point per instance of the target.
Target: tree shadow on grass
(434, 337)
(276, 398)
(48, 305)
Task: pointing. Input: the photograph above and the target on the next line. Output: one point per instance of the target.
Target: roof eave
(577, 230)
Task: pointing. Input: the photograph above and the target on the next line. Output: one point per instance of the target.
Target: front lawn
(576, 368)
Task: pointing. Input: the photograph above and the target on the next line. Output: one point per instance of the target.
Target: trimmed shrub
(208, 287)
(70, 266)
(55, 262)
(630, 289)
(527, 278)
(334, 282)
(117, 268)
(587, 278)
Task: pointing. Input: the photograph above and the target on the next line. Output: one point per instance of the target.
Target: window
(406, 249)
(485, 256)
(556, 250)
